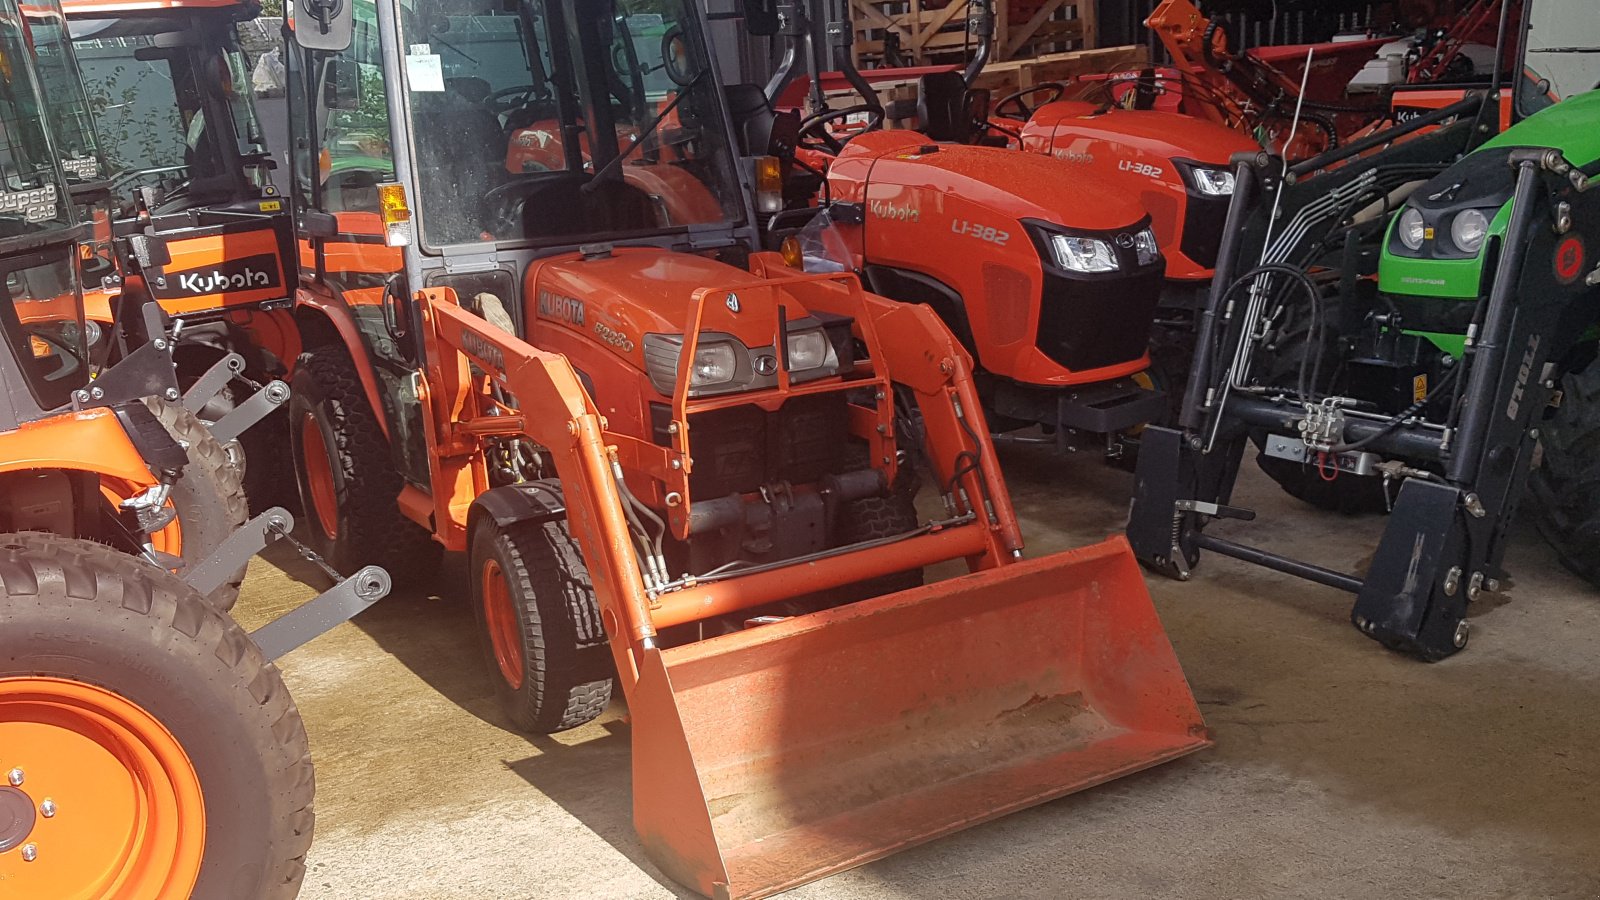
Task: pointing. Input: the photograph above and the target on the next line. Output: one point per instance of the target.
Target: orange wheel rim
(501, 620)
(100, 795)
(168, 539)
(319, 476)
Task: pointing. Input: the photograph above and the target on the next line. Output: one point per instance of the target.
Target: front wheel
(1566, 487)
(151, 750)
(349, 486)
(539, 625)
(208, 499)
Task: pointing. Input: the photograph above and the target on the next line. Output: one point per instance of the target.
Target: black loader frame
(1452, 486)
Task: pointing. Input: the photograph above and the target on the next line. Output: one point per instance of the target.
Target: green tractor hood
(1449, 261)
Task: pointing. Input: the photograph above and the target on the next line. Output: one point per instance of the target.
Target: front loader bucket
(778, 755)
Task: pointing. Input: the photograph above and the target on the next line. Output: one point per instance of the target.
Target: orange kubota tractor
(675, 463)
(190, 185)
(1049, 279)
(1117, 162)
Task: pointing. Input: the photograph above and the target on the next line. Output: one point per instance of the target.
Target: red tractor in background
(1050, 281)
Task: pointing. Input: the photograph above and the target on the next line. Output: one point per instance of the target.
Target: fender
(89, 441)
(908, 286)
(345, 326)
(535, 501)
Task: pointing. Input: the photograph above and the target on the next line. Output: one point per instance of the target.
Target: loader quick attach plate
(774, 756)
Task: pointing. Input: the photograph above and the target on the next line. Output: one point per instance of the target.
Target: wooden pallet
(934, 31)
(1005, 77)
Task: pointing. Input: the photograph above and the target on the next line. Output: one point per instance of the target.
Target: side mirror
(342, 87)
(760, 16)
(323, 24)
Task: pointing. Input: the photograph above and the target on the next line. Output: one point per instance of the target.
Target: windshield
(562, 121)
(31, 197)
(63, 90)
(171, 99)
(1563, 47)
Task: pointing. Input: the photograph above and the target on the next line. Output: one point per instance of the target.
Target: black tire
(1349, 494)
(83, 612)
(559, 648)
(368, 528)
(1565, 488)
(873, 518)
(209, 498)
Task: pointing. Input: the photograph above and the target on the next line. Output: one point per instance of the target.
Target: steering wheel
(1024, 112)
(814, 133)
(501, 102)
(675, 58)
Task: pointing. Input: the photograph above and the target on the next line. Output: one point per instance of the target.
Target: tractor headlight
(1411, 228)
(808, 350)
(716, 367)
(1213, 182)
(1144, 244)
(1468, 230)
(1082, 254)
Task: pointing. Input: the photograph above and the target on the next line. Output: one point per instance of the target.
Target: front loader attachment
(777, 755)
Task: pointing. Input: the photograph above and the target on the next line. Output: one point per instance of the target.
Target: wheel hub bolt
(30, 852)
(47, 808)
(15, 777)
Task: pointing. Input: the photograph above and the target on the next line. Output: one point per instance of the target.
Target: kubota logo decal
(906, 213)
(478, 346)
(558, 306)
(1569, 260)
(247, 274)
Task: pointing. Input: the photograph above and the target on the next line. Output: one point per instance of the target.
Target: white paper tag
(424, 72)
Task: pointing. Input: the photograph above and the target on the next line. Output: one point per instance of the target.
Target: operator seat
(756, 123)
(943, 110)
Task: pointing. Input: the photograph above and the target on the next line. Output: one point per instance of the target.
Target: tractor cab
(171, 89)
(195, 222)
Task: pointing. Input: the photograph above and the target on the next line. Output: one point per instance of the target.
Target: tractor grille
(739, 449)
(1090, 323)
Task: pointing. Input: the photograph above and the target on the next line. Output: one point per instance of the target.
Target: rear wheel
(151, 750)
(348, 483)
(1566, 487)
(209, 498)
(539, 625)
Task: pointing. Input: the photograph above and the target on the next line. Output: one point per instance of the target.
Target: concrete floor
(1340, 769)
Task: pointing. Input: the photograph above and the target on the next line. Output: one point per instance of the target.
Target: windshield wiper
(644, 135)
(1564, 49)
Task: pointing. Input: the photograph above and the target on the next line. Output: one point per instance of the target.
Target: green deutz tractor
(1439, 261)
(1405, 331)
